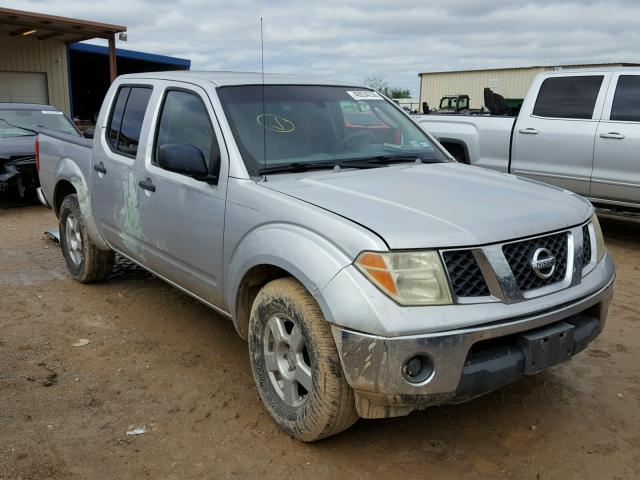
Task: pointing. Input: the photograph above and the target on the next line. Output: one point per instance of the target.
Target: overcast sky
(354, 39)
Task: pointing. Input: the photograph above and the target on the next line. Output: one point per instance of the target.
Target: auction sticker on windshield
(364, 95)
(51, 112)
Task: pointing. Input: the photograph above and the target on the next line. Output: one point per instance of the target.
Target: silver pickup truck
(577, 129)
(370, 272)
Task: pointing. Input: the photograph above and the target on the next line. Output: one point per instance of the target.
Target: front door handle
(147, 184)
(529, 131)
(99, 167)
(613, 135)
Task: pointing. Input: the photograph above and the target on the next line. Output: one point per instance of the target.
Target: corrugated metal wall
(28, 54)
(510, 83)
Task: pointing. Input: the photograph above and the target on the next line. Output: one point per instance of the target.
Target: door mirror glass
(89, 133)
(184, 159)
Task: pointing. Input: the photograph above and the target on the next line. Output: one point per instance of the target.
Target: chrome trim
(550, 175)
(569, 276)
(611, 202)
(468, 300)
(502, 284)
(510, 292)
(611, 182)
(592, 261)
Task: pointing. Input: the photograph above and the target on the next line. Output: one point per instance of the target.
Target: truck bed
(461, 134)
(63, 156)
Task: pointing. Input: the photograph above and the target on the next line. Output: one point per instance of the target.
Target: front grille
(520, 255)
(465, 275)
(586, 246)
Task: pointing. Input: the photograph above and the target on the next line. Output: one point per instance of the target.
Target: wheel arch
(62, 189)
(275, 252)
(71, 180)
(457, 148)
(252, 282)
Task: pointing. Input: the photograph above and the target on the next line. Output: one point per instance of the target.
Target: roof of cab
(26, 106)
(604, 69)
(220, 79)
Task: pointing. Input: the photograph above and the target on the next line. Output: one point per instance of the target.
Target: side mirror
(89, 133)
(184, 159)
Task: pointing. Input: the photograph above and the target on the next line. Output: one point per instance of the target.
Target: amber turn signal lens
(376, 267)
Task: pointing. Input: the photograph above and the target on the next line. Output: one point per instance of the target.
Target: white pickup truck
(577, 129)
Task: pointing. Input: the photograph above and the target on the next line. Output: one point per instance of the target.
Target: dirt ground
(160, 360)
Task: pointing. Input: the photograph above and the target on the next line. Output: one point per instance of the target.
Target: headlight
(410, 278)
(600, 248)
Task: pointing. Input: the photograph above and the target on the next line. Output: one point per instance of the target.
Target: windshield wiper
(35, 132)
(305, 166)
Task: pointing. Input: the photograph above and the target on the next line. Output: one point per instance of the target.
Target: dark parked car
(19, 125)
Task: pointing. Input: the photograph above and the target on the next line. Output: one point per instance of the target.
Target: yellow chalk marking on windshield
(274, 123)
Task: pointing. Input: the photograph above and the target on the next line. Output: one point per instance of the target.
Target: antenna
(264, 119)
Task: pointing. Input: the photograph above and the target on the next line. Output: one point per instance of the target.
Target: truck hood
(438, 205)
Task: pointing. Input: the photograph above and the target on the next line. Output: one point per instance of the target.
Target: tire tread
(335, 411)
(96, 264)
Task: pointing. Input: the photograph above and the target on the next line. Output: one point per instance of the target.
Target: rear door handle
(613, 135)
(529, 131)
(147, 184)
(99, 167)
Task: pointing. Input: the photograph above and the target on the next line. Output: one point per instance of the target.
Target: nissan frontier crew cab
(371, 273)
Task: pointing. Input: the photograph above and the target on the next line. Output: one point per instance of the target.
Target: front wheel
(86, 262)
(296, 365)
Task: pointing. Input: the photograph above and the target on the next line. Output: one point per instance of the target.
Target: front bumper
(467, 362)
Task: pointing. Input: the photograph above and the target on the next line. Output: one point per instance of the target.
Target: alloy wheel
(287, 360)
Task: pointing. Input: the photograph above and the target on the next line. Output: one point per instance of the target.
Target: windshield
(309, 124)
(19, 123)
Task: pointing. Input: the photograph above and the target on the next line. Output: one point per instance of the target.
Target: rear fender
(68, 170)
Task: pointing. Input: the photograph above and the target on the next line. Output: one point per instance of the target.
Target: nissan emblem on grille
(543, 263)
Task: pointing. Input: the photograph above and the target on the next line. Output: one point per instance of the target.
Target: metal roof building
(511, 83)
(41, 61)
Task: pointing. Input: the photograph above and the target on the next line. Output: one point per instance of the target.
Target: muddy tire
(86, 262)
(296, 365)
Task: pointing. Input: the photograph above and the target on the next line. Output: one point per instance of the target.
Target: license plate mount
(546, 347)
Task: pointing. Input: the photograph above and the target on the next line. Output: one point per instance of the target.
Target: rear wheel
(86, 262)
(296, 365)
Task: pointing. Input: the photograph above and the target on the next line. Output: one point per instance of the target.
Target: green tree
(377, 83)
(400, 93)
(380, 84)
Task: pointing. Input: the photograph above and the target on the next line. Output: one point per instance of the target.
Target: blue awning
(131, 54)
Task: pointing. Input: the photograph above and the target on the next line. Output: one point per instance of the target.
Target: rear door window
(116, 116)
(568, 97)
(626, 102)
(126, 119)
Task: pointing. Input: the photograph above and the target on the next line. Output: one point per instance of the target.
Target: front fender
(69, 170)
(310, 258)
